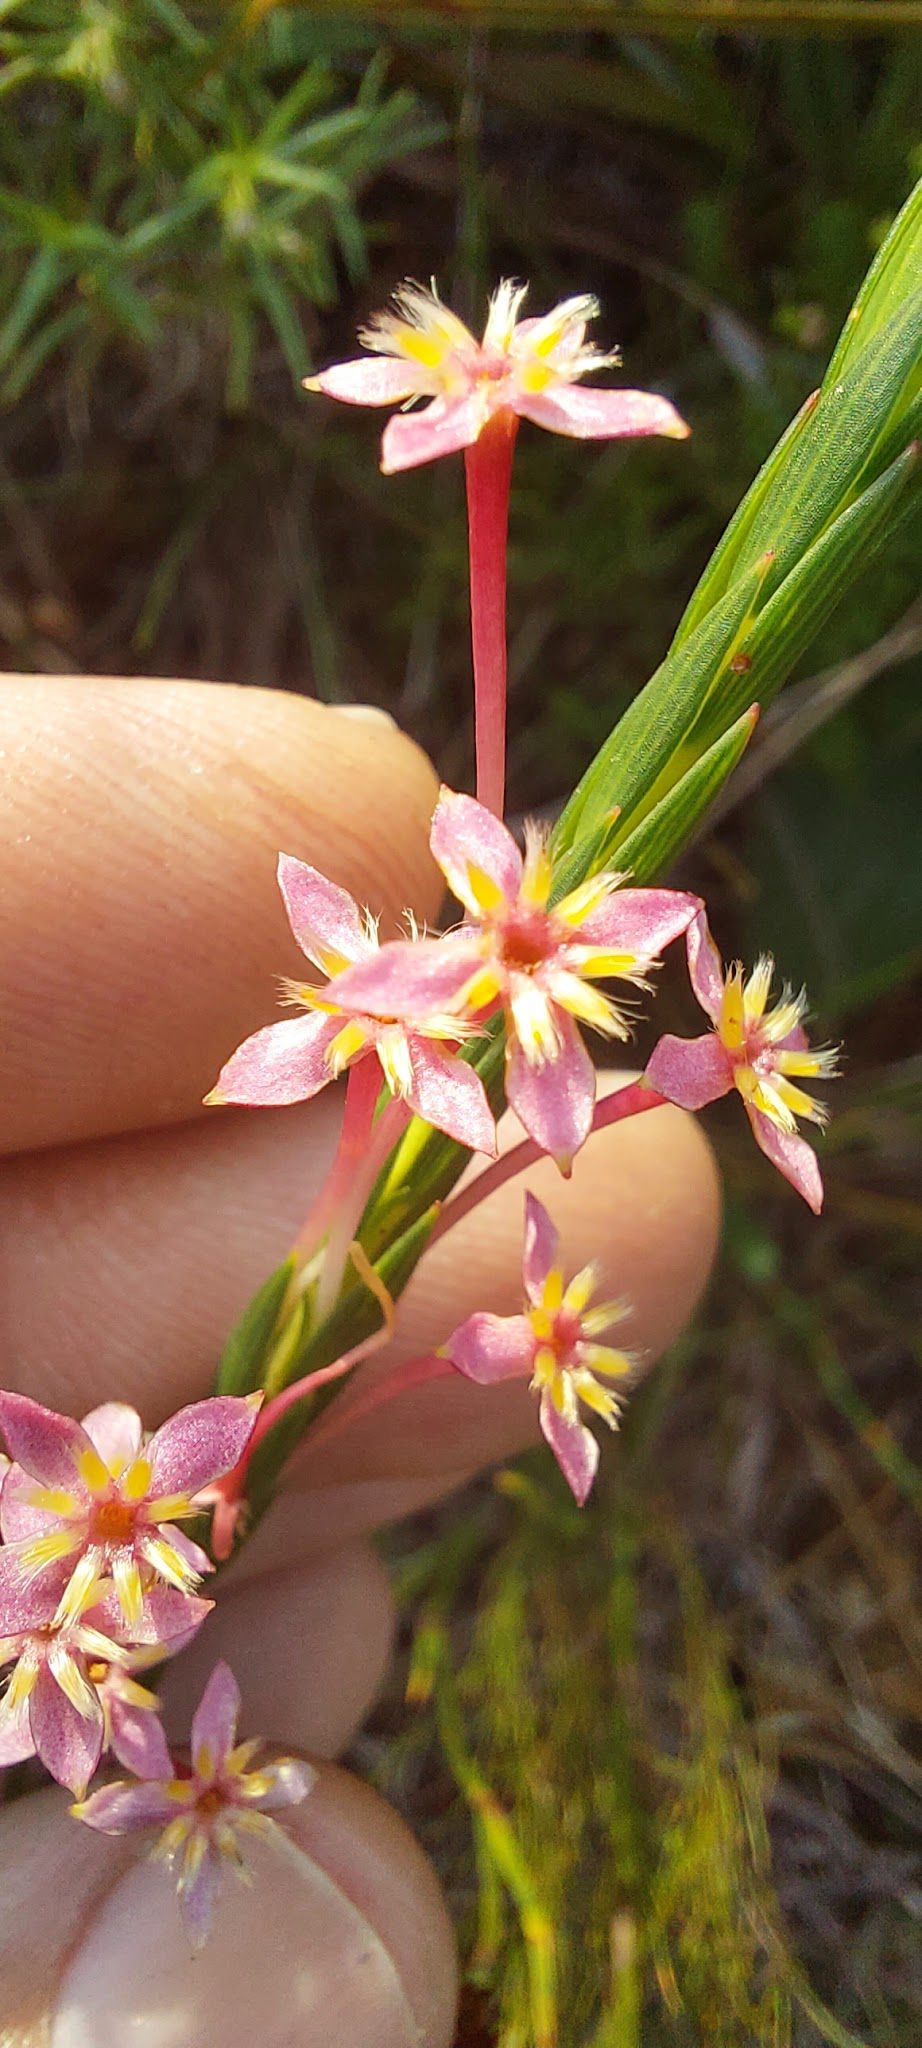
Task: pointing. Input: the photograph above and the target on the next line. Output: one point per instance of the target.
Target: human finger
(342, 1936)
(140, 928)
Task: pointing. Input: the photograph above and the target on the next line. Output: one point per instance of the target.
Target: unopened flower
(104, 1500)
(762, 1052)
(539, 962)
(523, 368)
(556, 1343)
(60, 1699)
(204, 1811)
(417, 1051)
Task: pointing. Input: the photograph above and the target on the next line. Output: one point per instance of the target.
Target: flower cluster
(96, 1578)
(203, 1807)
(99, 1579)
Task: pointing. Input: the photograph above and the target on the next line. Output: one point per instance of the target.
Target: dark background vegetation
(196, 207)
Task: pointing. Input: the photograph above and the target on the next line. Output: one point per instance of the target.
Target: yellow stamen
(487, 894)
(589, 1004)
(394, 1054)
(538, 872)
(48, 1549)
(348, 1042)
(171, 1566)
(128, 1588)
(552, 1291)
(581, 1289)
(135, 1483)
(80, 1590)
(755, 993)
(72, 1683)
(53, 1500)
(614, 1365)
(581, 901)
(22, 1682)
(732, 1021)
(204, 1762)
(533, 1019)
(599, 1399)
(93, 1471)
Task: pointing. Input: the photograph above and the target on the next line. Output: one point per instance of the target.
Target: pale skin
(140, 934)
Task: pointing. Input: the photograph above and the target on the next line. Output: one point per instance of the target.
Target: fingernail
(365, 714)
(290, 1963)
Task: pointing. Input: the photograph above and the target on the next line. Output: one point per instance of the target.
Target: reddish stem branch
(488, 470)
(613, 1108)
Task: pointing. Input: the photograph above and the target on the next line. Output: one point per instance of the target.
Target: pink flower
(524, 368)
(202, 1811)
(760, 1052)
(539, 962)
(60, 1702)
(104, 1500)
(292, 1061)
(555, 1341)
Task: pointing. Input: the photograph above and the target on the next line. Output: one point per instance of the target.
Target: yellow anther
(93, 1471)
(136, 1482)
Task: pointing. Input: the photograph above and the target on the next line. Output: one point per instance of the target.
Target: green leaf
(654, 725)
(893, 273)
(648, 850)
(794, 615)
(243, 1359)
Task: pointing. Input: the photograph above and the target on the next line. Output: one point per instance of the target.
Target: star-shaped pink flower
(761, 1052)
(416, 1047)
(100, 1498)
(202, 1811)
(63, 1701)
(525, 368)
(556, 1344)
(539, 961)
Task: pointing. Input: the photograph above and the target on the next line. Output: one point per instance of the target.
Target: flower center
(210, 1803)
(113, 1522)
(527, 938)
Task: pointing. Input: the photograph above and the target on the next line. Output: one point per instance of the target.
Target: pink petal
(120, 1809)
(574, 1448)
(170, 1617)
(69, 1744)
(283, 1063)
(541, 1242)
(488, 1348)
(367, 380)
(554, 1101)
(447, 1093)
(792, 1156)
(464, 834)
(18, 1518)
(639, 921)
(601, 415)
(198, 1897)
(115, 1430)
(214, 1726)
(16, 1742)
(199, 1443)
(410, 979)
(322, 916)
(291, 1782)
(137, 1739)
(690, 1071)
(46, 1444)
(28, 1602)
(193, 1553)
(705, 967)
(439, 429)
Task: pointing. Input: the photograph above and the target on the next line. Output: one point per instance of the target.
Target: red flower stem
(363, 1086)
(359, 1175)
(416, 1373)
(613, 1108)
(488, 471)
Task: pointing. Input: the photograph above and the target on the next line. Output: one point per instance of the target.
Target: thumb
(341, 1936)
